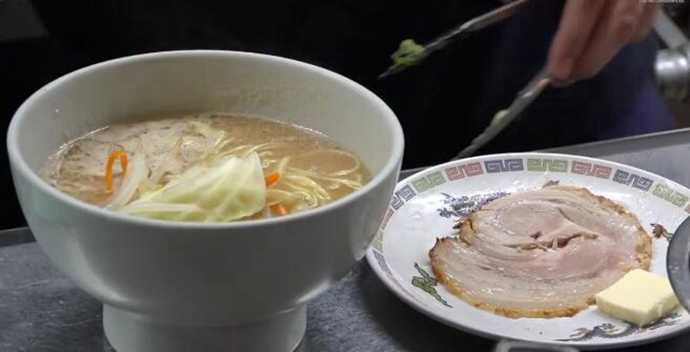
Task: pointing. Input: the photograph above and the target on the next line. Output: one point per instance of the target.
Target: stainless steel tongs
(462, 31)
(504, 117)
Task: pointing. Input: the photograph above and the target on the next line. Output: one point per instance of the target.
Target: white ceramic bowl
(194, 287)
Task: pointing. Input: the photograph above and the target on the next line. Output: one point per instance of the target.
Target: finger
(614, 31)
(578, 21)
(650, 11)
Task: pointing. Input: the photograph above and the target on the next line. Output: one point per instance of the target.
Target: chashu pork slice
(542, 253)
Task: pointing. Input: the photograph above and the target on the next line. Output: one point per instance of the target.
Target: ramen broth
(145, 168)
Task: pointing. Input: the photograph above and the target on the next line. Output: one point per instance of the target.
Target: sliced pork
(542, 253)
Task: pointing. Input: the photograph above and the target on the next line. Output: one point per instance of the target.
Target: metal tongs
(460, 32)
(504, 117)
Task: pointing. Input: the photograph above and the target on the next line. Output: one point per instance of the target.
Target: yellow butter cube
(639, 297)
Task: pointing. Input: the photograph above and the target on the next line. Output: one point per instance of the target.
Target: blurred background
(441, 104)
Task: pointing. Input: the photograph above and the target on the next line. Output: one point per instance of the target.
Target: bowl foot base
(132, 332)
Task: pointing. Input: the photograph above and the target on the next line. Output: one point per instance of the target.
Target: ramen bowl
(173, 286)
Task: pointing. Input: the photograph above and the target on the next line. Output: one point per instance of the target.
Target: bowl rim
(21, 166)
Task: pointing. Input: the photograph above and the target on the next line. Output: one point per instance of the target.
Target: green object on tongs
(410, 53)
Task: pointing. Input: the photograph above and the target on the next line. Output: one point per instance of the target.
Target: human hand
(591, 32)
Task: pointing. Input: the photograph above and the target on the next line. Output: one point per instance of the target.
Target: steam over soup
(210, 167)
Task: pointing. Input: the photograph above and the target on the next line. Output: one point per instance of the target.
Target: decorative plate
(426, 205)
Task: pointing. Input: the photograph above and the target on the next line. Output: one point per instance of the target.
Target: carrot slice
(272, 179)
(115, 155)
(278, 209)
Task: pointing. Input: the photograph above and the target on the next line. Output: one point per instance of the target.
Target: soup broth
(205, 167)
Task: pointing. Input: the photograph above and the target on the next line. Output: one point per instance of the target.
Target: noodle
(311, 171)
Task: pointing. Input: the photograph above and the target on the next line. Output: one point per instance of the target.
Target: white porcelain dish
(426, 205)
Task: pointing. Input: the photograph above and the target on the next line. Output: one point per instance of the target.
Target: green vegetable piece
(409, 53)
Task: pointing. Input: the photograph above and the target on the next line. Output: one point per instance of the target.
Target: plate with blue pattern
(425, 207)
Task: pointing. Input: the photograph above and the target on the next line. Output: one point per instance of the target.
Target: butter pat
(639, 297)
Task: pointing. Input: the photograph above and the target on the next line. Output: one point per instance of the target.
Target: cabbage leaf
(223, 190)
